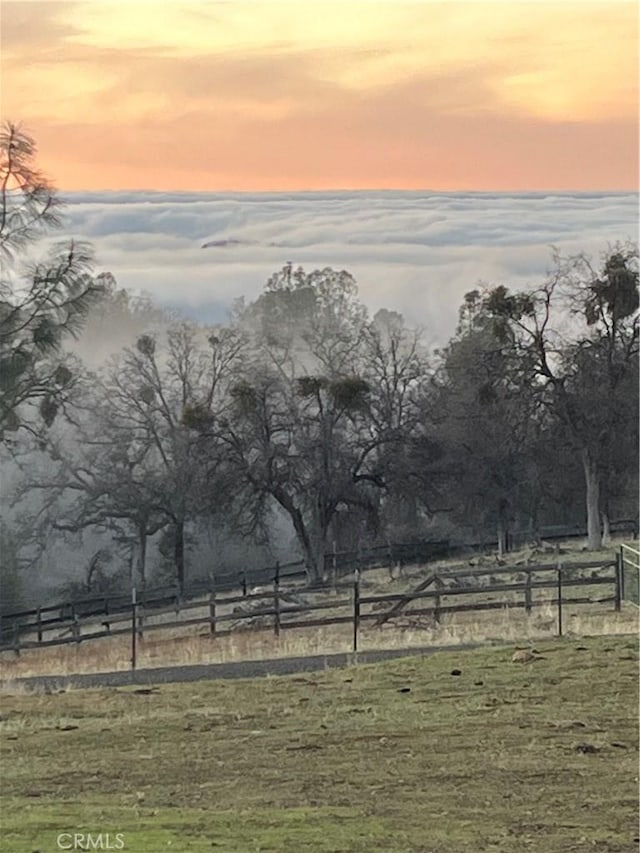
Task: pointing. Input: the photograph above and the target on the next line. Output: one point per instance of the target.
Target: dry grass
(190, 646)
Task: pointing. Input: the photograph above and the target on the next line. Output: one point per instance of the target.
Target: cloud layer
(414, 252)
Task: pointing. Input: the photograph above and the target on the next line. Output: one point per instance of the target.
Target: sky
(357, 94)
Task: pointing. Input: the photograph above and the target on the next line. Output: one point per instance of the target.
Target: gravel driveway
(239, 669)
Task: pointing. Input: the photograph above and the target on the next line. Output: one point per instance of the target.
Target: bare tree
(139, 454)
(324, 393)
(304, 442)
(169, 401)
(396, 366)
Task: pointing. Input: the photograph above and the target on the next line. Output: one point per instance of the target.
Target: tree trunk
(502, 539)
(533, 527)
(605, 513)
(309, 549)
(503, 543)
(320, 551)
(592, 483)
(178, 553)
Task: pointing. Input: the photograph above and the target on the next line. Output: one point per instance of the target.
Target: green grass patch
(400, 756)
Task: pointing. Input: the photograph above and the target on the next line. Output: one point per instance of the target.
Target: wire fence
(629, 560)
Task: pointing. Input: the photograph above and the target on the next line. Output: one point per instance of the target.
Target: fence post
(16, 638)
(39, 617)
(244, 583)
(559, 599)
(619, 580)
(107, 624)
(75, 625)
(141, 618)
(212, 605)
(527, 593)
(134, 633)
(334, 566)
(276, 601)
(436, 610)
(356, 607)
(75, 628)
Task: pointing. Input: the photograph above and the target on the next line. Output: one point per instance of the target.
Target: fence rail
(456, 590)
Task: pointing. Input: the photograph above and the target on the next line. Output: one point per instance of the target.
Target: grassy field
(401, 756)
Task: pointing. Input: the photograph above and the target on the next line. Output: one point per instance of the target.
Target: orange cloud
(279, 95)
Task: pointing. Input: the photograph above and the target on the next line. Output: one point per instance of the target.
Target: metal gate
(629, 560)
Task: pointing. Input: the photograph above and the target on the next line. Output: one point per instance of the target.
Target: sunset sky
(319, 95)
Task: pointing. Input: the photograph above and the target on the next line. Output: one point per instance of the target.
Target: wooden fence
(281, 608)
(338, 564)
